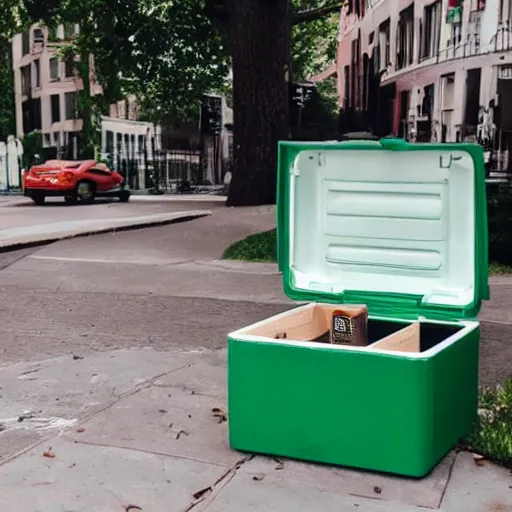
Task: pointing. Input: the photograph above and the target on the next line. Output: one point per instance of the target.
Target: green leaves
(166, 53)
(314, 43)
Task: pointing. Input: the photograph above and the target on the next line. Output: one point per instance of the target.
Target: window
(54, 69)
(69, 65)
(473, 81)
(109, 141)
(26, 82)
(121, 109)
(504, 13)
(25, 42)
(55, 104)
(141, 145)
(69, 31)
(38, 36)
(100, 172)
(456, 35)
(477, 5)
(405, 38)
(31, 111)
(353, 74)
(118, 151)
(357, 8)
(346, 75)
(473, 30)
(448, 92)
(384, 47)
(431, 31)
(52, 34)
(71, 105)
(37, 73)
(427, 105)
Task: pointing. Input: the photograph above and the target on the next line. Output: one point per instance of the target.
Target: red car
(75, 181)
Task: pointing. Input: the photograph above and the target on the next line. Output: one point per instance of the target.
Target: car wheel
(86, 192)
(124, 196)
(70, 199)
(38, 199)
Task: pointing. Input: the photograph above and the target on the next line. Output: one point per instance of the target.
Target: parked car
(76, 181)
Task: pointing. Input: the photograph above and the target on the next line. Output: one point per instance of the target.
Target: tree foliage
(166, 53)
(314, 43)
(7, 106)
(12, 18)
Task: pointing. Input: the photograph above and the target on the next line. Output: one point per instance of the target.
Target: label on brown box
(349, 327)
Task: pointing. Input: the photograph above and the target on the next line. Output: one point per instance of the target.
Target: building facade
(46, 85)
(129, 146)
(428, 70)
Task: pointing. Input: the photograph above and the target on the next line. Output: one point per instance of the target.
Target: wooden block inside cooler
(405, 340)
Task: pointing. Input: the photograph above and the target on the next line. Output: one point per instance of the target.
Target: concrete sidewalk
(137, 428)
(54, 231)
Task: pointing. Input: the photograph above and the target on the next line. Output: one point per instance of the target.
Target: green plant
(258, 247)
(492, 434)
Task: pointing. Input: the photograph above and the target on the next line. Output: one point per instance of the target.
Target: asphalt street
(160, 287)
(163, 287)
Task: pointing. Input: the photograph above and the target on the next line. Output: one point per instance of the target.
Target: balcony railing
(502, 41)
(472, 47)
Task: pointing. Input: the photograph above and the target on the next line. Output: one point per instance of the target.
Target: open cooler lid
(400, 227)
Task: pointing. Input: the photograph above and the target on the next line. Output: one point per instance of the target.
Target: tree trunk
(260, 39)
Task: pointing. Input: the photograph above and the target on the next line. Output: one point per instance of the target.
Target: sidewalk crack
(447, 481)
(208, 494)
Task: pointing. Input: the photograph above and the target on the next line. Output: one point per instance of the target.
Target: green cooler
(402, 229)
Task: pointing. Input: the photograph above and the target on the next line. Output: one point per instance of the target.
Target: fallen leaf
(49, 454)
(280, 464)
(479, 460)
(26, 416)
(258, 478)
(201, 493)
(377, 490)
(80, 430)
(178, 435)
(219, 415)
(129, 508)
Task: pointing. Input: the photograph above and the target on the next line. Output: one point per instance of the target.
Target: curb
(15, 246)
(15, 202)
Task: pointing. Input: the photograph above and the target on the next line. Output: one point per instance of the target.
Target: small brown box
(349, 326)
